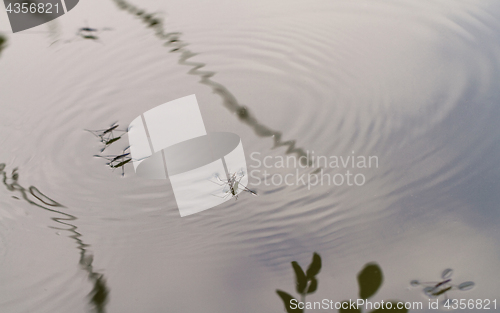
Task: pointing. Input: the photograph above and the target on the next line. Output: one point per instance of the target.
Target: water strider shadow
(99, 295)
(370, 279)
(177, 45)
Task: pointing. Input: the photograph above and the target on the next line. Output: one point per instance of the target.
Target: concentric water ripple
(411, 82)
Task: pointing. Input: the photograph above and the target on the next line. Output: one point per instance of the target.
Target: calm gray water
(414, 83)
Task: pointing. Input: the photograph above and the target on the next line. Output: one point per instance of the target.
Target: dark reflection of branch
(229, 100)
(3, 43)
(98, 297)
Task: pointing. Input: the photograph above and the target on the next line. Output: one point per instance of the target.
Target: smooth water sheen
(412, 82)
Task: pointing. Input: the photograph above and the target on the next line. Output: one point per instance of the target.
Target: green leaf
(349, 309)
(314, 267)
(301, 280)
(312, 286)
(369, 280)
(286, 301)
(393, 308)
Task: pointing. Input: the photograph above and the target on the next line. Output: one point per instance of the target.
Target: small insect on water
(90, 33)
(117, 161)
(436, 289)
(86, 33)
(232, 185)
(107, 136)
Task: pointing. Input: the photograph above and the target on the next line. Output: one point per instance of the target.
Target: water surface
(411, 82)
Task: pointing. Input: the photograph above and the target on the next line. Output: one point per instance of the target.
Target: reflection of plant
(100, 293)
(436, 289)
(369, 280)
(306, 283)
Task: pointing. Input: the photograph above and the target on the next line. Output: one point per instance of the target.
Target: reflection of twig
(99, 294)
(229, 100)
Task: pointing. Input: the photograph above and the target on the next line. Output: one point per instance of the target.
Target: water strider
(233, 185)
(86, 33)
(107, 136)
(101, 133)
(436, 289)
(117, 161)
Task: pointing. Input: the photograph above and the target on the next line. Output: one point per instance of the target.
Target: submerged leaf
(369, 280)
(314, 267)
(414, 283)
